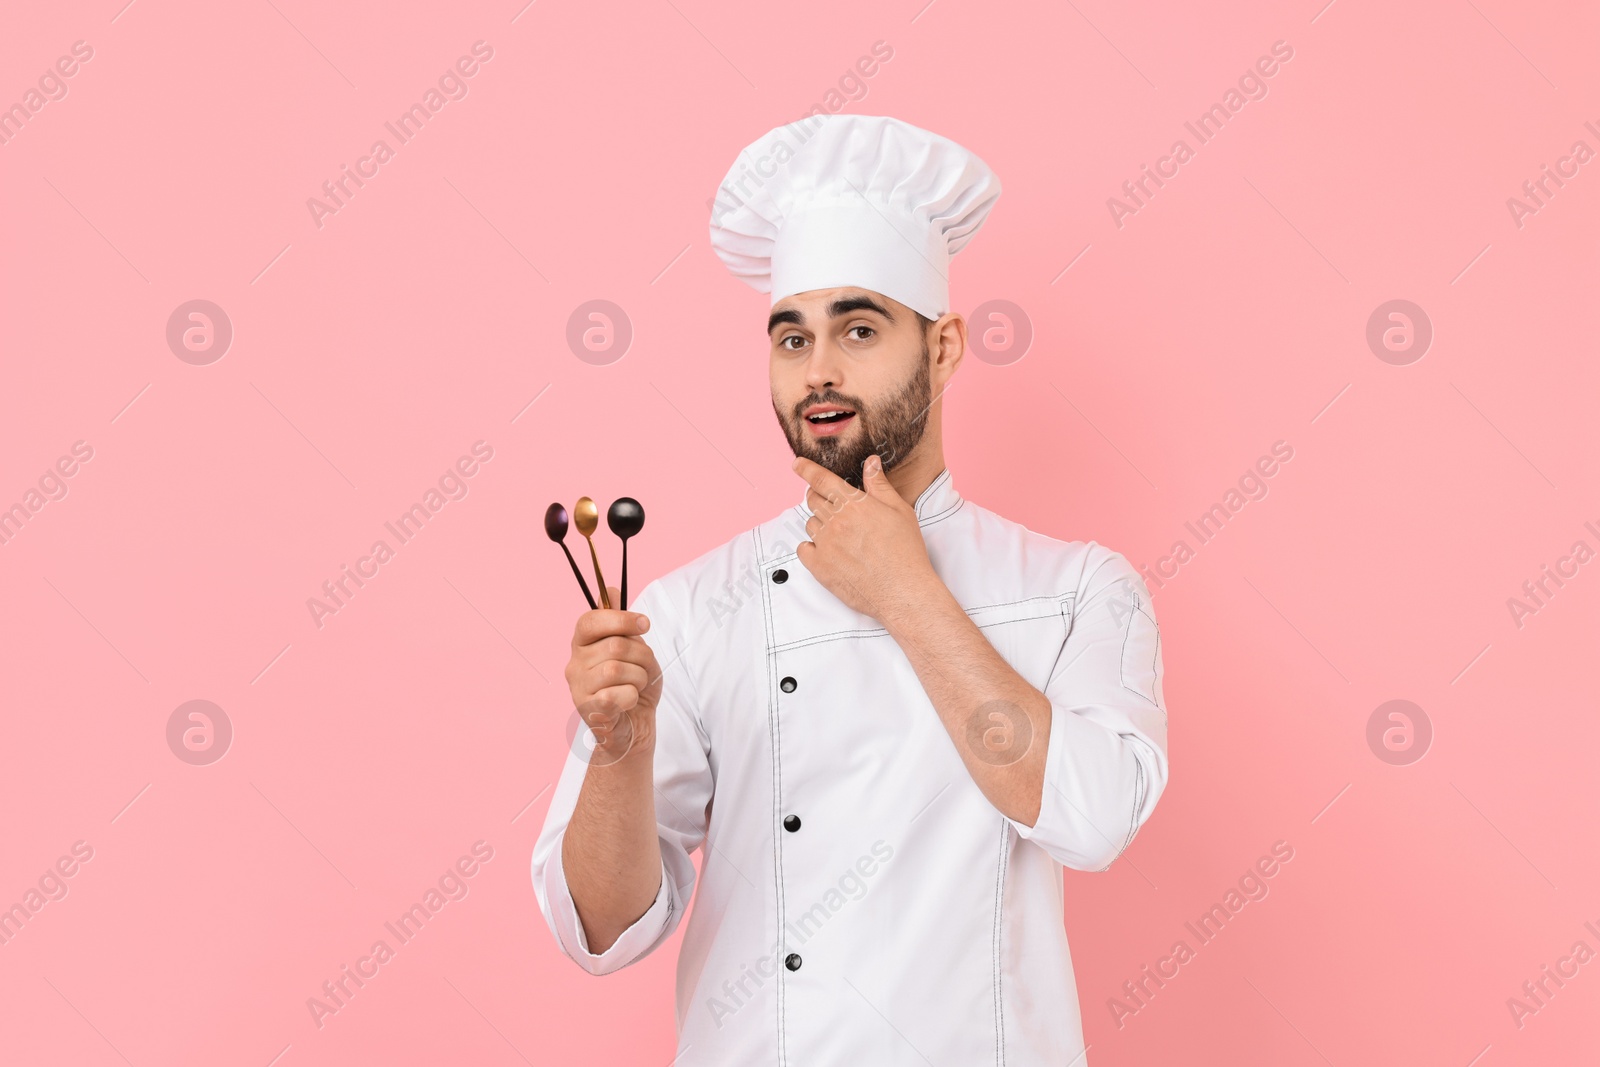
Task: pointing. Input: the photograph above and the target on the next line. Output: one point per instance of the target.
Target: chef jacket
(860, 900)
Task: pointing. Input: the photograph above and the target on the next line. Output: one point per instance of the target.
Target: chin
(840, 462)
(834, 453)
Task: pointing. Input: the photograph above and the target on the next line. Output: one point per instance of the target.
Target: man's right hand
(615, 680)
(610, 850)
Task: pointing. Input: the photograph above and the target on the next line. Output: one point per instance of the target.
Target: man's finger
(873, 478)
(616, 698)
(824, 481)
(821, 505)
(614, 672)
(625, 649)
(603, 622)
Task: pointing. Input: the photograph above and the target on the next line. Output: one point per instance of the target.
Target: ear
(947, 348)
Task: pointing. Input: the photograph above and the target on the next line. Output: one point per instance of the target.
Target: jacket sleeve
(683, 787)
(1106, 761)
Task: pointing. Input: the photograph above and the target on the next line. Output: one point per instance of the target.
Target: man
(888, 715)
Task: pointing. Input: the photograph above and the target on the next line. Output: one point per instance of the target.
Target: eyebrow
(787, 315)
(840, 307)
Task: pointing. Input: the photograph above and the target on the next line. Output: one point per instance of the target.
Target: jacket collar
(936, 501)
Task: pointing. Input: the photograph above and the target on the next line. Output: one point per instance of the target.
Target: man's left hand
(866, 547)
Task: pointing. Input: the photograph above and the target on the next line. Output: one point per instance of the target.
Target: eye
(784, 342)
(869, 332)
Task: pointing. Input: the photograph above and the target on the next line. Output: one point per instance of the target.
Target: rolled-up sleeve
(1106, 761)
(683, 784)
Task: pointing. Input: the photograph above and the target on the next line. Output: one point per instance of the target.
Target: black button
(791, 823)
(780, 576)
(792, 961)
(788, 685)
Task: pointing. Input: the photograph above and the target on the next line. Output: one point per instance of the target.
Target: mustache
(828, 397)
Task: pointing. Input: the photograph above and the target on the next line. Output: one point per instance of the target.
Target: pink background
(430, 713)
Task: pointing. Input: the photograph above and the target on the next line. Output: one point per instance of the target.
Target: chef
(888, 717)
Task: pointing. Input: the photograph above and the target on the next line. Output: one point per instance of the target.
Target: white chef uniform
(860, 900)
(843, 835)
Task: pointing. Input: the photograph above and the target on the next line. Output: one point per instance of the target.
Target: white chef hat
(862, 200)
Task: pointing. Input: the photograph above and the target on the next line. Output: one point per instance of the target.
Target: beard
(891, 428)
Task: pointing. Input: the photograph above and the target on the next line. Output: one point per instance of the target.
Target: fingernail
(873, 464)
(642, 624)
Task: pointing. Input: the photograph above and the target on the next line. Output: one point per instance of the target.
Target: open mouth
(830, 421)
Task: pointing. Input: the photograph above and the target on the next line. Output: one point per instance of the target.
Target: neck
(920, 468)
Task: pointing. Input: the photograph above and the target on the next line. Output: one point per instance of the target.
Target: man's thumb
(872, 476)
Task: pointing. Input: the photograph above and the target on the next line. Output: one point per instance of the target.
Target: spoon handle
(576, 573)
(624, 590)
(600, 580)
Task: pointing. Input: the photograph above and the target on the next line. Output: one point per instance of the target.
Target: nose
(823, 367)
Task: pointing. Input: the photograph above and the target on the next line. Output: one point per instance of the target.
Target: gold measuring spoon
(586, 516)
